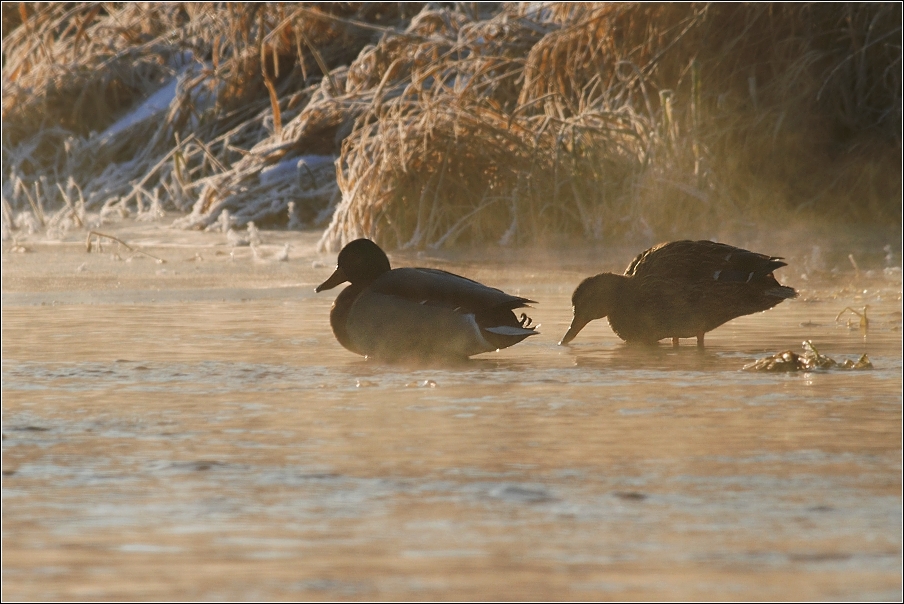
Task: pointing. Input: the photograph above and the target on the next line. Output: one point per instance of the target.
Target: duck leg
(674, 342)
(700, 339)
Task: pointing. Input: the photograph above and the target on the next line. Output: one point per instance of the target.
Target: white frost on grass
(237, 239)
(157, 103)
(254, 236)
(154, 212)
(315, 170)
(311, 171)
(165, 96)
(284, 170)
(27, 221)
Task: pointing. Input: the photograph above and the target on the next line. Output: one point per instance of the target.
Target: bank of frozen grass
(434, 126)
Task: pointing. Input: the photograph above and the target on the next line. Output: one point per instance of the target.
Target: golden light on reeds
(510, 125)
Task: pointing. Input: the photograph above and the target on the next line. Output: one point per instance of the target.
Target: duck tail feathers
(782, 291)
(506, 330)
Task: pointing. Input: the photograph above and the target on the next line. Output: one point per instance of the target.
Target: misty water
(192, 430)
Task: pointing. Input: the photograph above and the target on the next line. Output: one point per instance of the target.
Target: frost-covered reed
(423, 125)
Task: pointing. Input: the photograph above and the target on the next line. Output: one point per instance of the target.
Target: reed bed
(428, 125)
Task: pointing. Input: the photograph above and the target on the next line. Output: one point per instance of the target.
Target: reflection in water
(218, 443)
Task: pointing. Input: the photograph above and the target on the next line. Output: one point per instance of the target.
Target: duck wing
(427, 313)
(692, 261)
(435, 287)
(438, 292)
(683, 288)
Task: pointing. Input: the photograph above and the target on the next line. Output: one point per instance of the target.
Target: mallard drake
(418, 313)
(677, 290)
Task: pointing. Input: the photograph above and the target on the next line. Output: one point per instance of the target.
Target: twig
(864, 320)
(70, 206)
(156, 167)
(121, 242)
(344, 21)
(321, 63)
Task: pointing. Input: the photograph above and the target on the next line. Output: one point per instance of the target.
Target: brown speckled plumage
(677, 290)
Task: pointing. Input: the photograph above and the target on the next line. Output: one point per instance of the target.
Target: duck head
(594, 298)
(360, 262)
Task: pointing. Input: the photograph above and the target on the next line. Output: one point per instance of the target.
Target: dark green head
(360, 262)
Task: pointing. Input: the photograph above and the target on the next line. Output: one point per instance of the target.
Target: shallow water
(192, 430)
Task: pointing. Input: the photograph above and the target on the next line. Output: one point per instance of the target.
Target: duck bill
(337, 278)
(576, 326)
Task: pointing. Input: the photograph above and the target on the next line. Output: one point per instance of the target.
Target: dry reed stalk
(507, 124)
(220, 112)
(636, 97)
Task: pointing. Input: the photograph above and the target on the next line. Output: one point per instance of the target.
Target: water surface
(192, 430)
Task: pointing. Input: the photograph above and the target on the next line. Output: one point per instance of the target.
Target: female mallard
(418, 313)
(677, 290)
